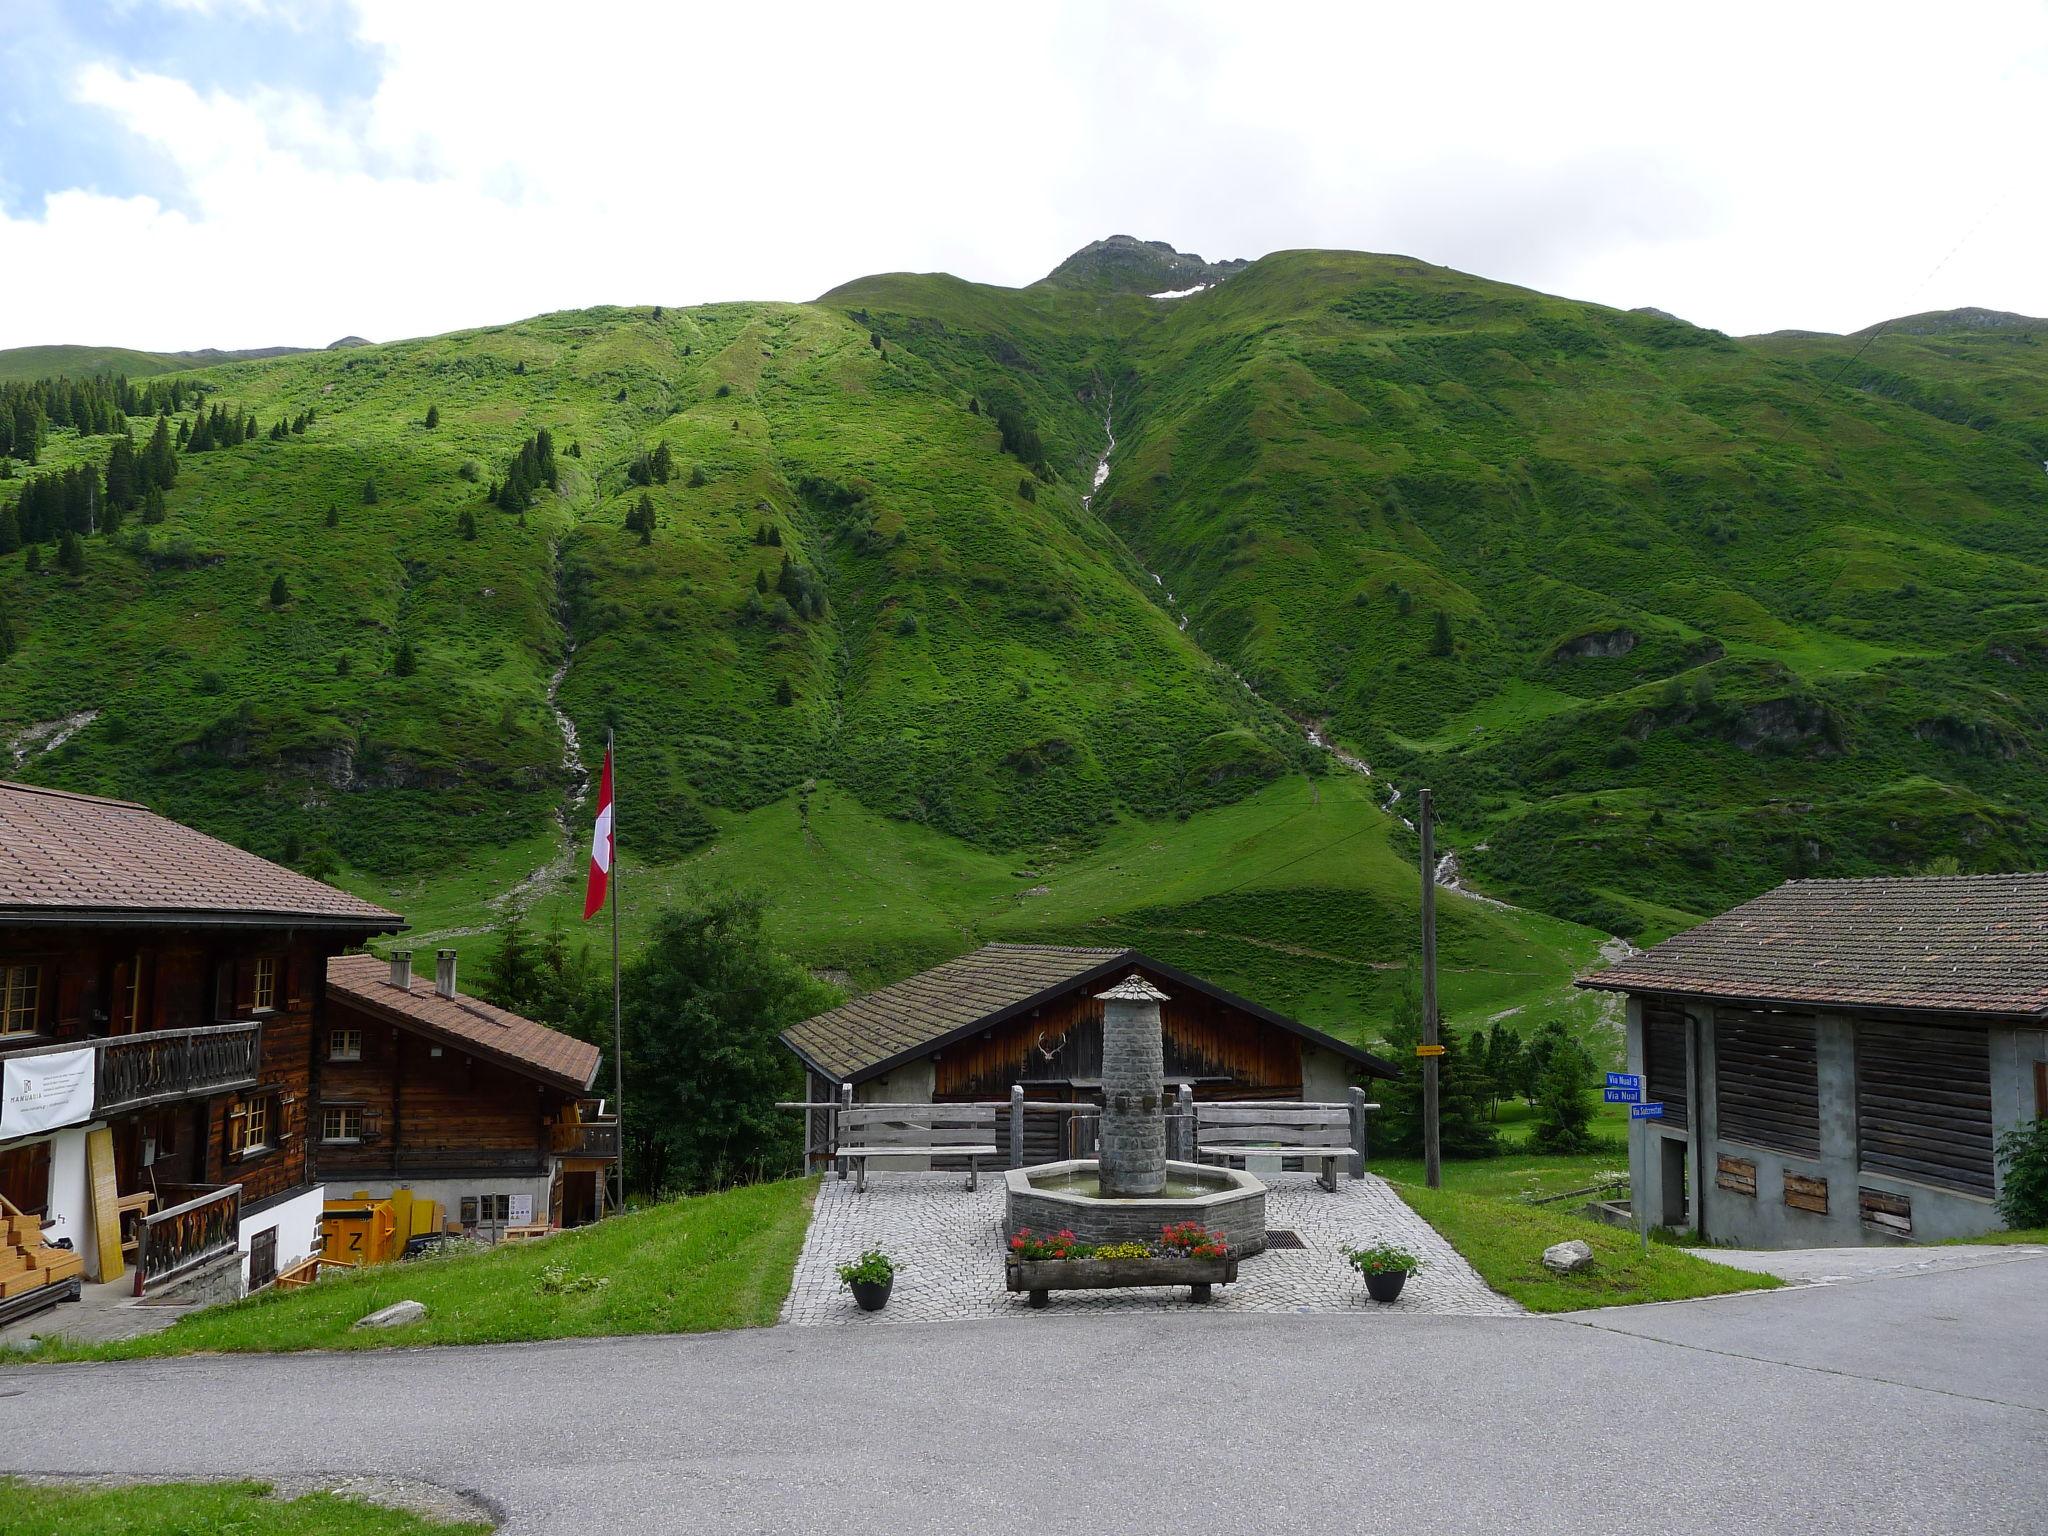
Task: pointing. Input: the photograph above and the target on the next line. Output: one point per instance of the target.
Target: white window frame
(257, 1112)
(347, 1117)
(21, 995)
(337, 1051)
(263, 985)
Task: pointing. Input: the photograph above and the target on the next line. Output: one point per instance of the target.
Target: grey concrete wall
(912, 1083)
(1325, 1076)
(1765, 1220)
(450, 1192)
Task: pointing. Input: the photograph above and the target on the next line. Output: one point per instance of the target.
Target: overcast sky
(186, 173)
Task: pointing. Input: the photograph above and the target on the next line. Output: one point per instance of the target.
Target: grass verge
(180, 1509)
(1504, 1240)
(689, 1266)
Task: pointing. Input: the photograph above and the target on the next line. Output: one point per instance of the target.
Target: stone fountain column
(1133, 1155)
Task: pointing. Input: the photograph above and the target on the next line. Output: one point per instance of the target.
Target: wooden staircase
(33, 1275)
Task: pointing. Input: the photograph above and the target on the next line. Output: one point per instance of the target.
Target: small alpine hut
(1837, 1058)
(966, 1031)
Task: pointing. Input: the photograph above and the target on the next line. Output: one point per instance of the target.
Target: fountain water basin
(1068, 1196)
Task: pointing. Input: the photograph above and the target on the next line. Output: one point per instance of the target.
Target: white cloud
(1746, 166)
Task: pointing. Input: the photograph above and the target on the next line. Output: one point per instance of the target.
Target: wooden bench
(1315, 1133)
(915, 1130)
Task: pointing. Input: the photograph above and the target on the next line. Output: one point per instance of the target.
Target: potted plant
(870, 1276)
(1386, 1268)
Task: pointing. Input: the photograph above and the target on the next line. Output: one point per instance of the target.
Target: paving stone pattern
(951, 1244)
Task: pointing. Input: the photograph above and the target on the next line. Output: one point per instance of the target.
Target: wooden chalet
(424, 1088)
(966, 1031)
(1837, 1059)
(158, 997)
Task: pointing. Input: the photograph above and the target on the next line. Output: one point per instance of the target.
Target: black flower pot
(1387, 1286)
(872, 1295)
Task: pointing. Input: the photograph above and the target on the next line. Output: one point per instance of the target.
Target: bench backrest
(917, 1126)
(1316, 1125)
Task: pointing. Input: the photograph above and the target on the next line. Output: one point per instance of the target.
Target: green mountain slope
(1712, 611)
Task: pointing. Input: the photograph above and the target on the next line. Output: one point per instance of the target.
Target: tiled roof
(364, 981)
(855, 1036)
(1974, 944)
(860, 1039)
(62, 854)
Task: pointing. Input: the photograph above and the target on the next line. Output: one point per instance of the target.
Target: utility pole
(618, 1030)
(1432, 1135)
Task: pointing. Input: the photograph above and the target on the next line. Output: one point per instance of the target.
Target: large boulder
(1568, 1258)
(397, 1315)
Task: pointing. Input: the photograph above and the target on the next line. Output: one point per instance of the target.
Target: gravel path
(952, 1244)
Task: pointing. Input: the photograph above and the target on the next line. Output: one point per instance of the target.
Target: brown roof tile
(858, 1035)
(63, 853)
(364, 981)
(1973, 944)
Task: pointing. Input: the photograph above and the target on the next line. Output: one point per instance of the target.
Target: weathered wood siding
(1226, 1052)
(426, 1115)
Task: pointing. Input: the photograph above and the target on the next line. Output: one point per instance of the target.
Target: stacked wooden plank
(28, 1264)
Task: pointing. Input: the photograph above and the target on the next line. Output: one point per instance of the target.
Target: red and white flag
(600, 844)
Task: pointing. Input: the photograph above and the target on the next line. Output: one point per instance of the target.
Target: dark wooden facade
(1055, 1051)
(123, 984)
(426, 1108)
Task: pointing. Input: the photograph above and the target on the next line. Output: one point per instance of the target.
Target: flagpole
(618, 1033)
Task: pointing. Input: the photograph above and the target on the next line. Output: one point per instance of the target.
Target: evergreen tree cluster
(656, 466)
(94, 406)
(641, 519)
(218, 428)
(531, 470)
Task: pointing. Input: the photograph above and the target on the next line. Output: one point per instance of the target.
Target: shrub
(2023, 1195)
(403, 662)
(465, 524)
(872, 1268)
(1382, 1259)
(280, 594)
(1028, 488)
(433, 417)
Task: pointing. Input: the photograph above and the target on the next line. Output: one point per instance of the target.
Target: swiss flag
(600, 844)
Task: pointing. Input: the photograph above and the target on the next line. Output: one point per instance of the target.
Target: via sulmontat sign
(1627, 1088)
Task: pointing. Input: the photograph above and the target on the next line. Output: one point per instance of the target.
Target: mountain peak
(1937, 322)
(1126, 264)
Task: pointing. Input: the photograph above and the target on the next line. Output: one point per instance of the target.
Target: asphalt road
(1915, 1403)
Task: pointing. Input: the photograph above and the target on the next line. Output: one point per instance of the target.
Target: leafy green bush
(872, 1268)
(2023, 1194)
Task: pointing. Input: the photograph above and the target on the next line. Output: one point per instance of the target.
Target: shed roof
(74, 858)
(1971, 944)
(923, 1013)
(534, 1050)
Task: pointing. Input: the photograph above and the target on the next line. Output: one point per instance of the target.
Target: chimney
(401, 969)
(444, 972)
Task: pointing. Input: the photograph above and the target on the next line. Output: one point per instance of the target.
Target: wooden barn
(425, 1088)
(966, 1031)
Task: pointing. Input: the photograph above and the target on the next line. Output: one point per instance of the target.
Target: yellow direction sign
(1429, 1050)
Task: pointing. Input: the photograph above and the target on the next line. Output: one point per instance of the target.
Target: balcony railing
(594, 1133)
(176, 1241)
(166, 1064)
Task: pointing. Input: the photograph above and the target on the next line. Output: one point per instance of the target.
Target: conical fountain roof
(1132, 989)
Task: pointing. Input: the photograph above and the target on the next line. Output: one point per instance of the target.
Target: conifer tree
(761, 581)
(153, 506)
(280, 594)
(784, 694)
(1440, 640)
(663, 463)
(32, 562)
(71, 554)
(342, 664)
(403, 662)
(10, 531)
(369, 491)
(333, 516)
(433, 417)
(465, 524)
(1564, 1112)
(122, 489)
(6, 637)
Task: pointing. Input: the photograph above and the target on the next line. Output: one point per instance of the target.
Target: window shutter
(245, 985)
(1664, 1061)
(1923, 1104)
(1767, 1081)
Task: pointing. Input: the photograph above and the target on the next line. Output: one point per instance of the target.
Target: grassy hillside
(1713, 611)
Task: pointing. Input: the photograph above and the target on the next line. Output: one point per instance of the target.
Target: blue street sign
(1622, 1095)
(1646, 1111)
(1624, 1080)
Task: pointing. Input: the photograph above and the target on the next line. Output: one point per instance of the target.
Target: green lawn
(199, 1509)
(689, 1266)
(1504, 1240)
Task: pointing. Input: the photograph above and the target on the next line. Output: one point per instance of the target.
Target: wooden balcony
(205, 1224)
(163, 1065)
(594, 1133)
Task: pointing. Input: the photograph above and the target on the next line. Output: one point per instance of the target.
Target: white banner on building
(40, 1093)
(519, 1210)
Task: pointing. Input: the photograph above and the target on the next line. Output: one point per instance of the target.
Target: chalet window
(1923, 1104)
(478, 1209)
(132, 998)
(264, 992)
(344, 1045)
(249, 1127)
(1767, 1081)
(262, 1258)
(20, 993)
(341, 1123)
(1664, 1061)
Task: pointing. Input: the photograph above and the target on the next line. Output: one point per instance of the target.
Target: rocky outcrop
(1125, 264)
(1618, 641)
